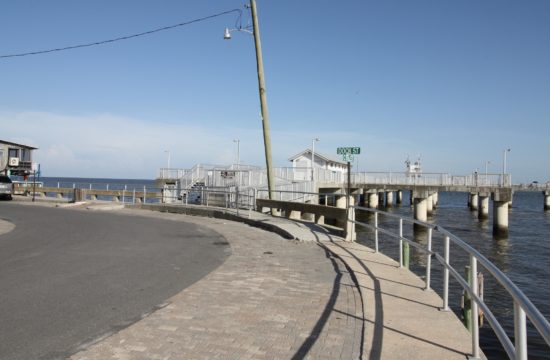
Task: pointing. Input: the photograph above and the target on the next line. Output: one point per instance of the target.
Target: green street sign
(348, 151)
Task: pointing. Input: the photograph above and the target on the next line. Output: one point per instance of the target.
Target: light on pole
(313, 141)
(238, 152)
(504, 152)
(262, 91)
(168, 152)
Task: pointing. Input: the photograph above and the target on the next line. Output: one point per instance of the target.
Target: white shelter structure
(303, 163)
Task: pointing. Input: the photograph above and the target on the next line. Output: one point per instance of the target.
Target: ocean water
(524, 255)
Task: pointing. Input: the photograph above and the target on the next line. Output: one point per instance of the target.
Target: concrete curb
(213, 213)
(6, 227)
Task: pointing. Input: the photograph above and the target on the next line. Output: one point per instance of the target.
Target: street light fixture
(261, 87)
(313, 141)
(238, 152)
(168, 152)
(504, 152)
(486, 171)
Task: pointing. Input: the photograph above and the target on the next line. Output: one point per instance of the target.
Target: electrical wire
(123, 37)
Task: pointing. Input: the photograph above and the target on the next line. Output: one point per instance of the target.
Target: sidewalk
(287, 299)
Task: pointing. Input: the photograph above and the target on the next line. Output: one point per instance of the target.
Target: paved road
(68, 277)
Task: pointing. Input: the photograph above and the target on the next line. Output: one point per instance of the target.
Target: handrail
(520, 299)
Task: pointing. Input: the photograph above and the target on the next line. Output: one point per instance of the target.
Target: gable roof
(19, 145)
(317, 155)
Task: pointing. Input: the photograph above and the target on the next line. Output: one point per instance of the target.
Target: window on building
(13, 153)
(25, 155)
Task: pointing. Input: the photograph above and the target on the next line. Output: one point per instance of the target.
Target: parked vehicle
(6, 187)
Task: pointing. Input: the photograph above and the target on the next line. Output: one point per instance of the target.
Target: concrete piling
(421, 209)
(398, 197)
(483, 210)
(389, 198)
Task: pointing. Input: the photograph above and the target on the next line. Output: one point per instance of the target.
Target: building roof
(19, 145)
(317, 155)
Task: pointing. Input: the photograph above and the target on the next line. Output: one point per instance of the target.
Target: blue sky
(456, 82)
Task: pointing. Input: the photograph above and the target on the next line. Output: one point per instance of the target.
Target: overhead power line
(122, 37)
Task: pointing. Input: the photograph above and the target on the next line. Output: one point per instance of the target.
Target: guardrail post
(376, 231)
(429, 260)
(475, 311)
(134, 196)
(406, 250)
(446, 243)
(520, 332)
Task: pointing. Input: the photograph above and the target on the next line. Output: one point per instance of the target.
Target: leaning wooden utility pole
(263, 99)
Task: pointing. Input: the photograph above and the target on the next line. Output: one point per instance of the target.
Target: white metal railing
(523, 307)
(211, 175)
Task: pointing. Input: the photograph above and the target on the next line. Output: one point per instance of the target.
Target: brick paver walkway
(272, 299)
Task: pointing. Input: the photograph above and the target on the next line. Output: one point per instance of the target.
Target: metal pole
(376, 232)
(312, 160)
(400, 242)
(263, 98)
(429, 260)
(475, 311)
(33, 185)
(446, 275)
(520, 332)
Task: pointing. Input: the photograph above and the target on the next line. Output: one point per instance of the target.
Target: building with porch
(15, 159)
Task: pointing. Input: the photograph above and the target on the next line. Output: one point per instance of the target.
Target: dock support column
(500, 217)
(435, 198)
(381, 199)
(474, 199)
(373, 200)
(421, 209)
(546, 200)
(389, 198)
(483, 210)
(399, 197)
(430, 205)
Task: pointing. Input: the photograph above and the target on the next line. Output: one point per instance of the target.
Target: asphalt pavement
(70, 277)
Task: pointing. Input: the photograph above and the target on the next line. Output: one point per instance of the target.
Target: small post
(406, 250)
(446, 246)
(475, 311)
(429, 260)
(520, 332)
(33, 185)
(376, 231)
(467, 301)
(400, 242)
(123, 194)
(134, 196)
(144, 195)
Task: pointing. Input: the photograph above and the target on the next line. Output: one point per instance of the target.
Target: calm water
(524, 256)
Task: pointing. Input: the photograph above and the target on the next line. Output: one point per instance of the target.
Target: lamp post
(238, 152)
(262, 91)
(504, 152)
(168, 152)
(486, 170)
(313, 141)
